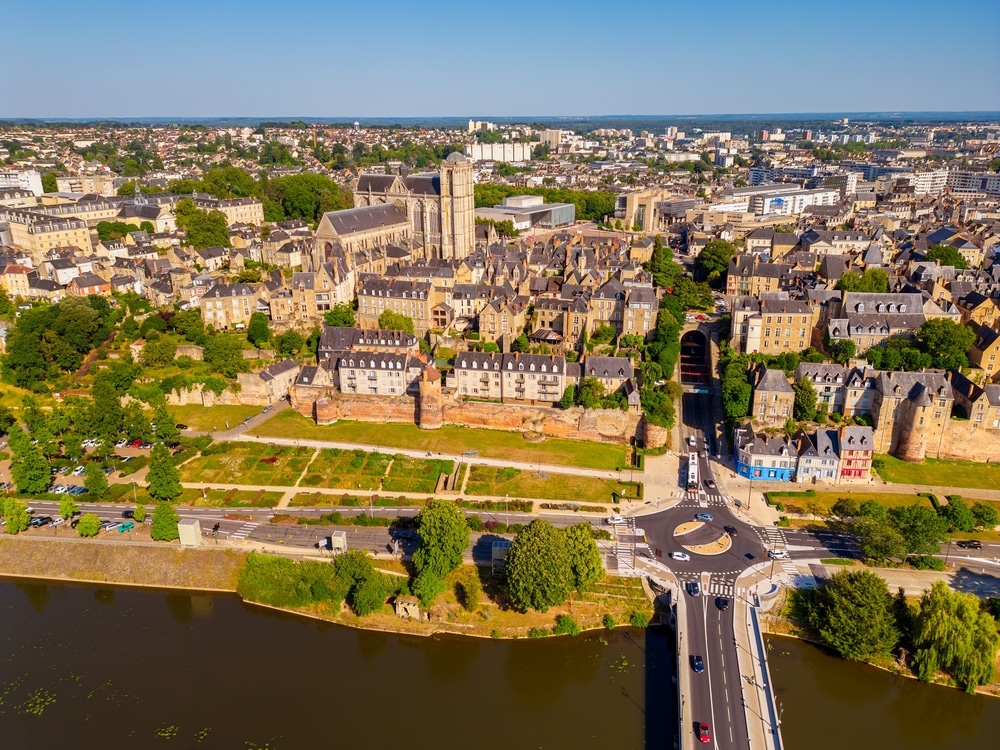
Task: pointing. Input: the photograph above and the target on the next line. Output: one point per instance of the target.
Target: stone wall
(198, 395)
(326, 405)
(961, 441)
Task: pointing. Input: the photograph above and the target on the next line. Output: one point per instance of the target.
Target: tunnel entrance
(695, 359)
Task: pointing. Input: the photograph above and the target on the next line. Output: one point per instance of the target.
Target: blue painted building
(758, 456)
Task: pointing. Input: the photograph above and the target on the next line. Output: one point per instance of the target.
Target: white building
(26, 179)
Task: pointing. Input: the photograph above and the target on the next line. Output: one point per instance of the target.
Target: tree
(844, 350)
(712, 262)
(428, 587)
(854, 616)
(340, 315)
(224, 355)
(164, 527)
(568, 397)
(872, 280)
(258, 333)
(986, 515)
(29, 470)
(845, 507)
(805, 400)
(736, 391)
(521, 344)
(585, 560)
(591, 393)
(158, 352)
(88, 525)
(139, 514)
(203, 228)
(444, 536)
(95, 481)
(67, 507)
(163, 479)
(878, 539)
(922, 529)
(945, 255)
(958, 514)
(953, 634)
(873, 509)
(393, 321)
(15, 514)
(537, 567)
(166, 425)
(289, 343)
(947, 343)
(49, 184)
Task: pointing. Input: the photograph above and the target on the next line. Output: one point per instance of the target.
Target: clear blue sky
(332, 58)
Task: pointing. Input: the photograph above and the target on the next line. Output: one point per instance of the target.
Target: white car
(777, 554)
(121, 443)
(614, 519)
(78, 471)
(682, 556)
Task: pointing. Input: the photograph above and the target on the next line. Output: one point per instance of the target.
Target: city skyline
(561, 59)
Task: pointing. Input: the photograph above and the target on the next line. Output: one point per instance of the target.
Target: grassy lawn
(488, 480)
(415, 474)
(207, 417)
(942, 473)
(248, 463)
(449, 439)
(337, 500)
(823, 501)
(349, 470)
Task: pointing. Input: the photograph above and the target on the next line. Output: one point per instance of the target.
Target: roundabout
(702, 539)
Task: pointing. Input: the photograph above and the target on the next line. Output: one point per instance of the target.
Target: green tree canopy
(712, 262)
(537, 567)
(953, 634)
(985, 514)
(340, 315)
(947, 343)
(163, 479)
(922, 529)
(258, 332)
(872, 280)
(28, 469)
(805, 400)
(224, 354)
(878, 539)
(164, 526)
(393, 321)
(89, 525)
(95, 481)
(289, 343)
(444, 537)
(15, 514)
(853, 614)
(203, 228)
(585, 561)
(946, 255)
(958, 514)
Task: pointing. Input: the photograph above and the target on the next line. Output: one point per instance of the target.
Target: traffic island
(701, 539)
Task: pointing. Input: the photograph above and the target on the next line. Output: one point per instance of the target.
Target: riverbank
(155, 565)
(779, 624)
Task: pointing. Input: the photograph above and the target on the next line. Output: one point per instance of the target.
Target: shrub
(428, 587)
(638, 619)
(927, 562)
(537, 633)
(468, 592)
(609, 622)
(566, 625)
(783, 522)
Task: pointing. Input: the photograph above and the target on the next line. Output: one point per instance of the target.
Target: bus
(692, 471)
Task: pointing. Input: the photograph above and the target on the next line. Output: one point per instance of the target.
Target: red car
(704, 735)
(136, 443)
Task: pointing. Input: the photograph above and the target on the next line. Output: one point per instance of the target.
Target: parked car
(182, 427)
(682, 556)
(731, 530)
(128, 514)
(58, 521)
(614, 519)
(145, 445)
(39, 521)
(970, 544)
(266, 409)
(697, 664)
(706, 517)
(78, 471)
(121, 443)
(136, 443)
(110, 525)
(777, 554)
(127, 526)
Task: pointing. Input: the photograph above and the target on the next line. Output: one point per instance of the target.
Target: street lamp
(506, 507)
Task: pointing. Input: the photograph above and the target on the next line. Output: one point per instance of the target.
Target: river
(99, 666)
(828, 703)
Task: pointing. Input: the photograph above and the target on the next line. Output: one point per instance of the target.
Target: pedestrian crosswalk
(244, 531)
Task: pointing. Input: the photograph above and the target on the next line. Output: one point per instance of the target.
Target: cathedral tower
(458, 207)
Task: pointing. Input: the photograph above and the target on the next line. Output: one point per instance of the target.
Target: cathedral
(440, 206)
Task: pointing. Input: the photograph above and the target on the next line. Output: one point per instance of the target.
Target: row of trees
(949, 633)
(939, 343)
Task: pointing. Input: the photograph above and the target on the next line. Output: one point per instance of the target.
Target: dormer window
(902, 308)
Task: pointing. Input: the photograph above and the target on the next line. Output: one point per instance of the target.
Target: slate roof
(365, 218)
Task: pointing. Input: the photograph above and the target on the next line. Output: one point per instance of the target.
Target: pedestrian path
(244, 531)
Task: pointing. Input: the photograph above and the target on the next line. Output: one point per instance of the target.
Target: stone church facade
(440, 206)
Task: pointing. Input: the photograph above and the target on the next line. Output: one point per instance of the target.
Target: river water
(93, 666)
(828, 703)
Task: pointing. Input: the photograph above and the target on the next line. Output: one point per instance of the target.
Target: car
(614, 519)
(182, 427)
(38, 521)
(145, 445)
(61, 489)
(266, 409)
(73, 524)
(694, 588)
(58, 521)
(706, 517)
(692, 441)
(127, 526)
(136, 443)
(704, 733)
(78, 471)
(248, 420)
(777, 554)
(731, 530)
(750, 556)
(722, 603)
(128, 514)
(110, 525)
(121, 443)
(697, 664)
(970, 544)
(682, 556)
(108, 471)
(125, 459)
(710, 483)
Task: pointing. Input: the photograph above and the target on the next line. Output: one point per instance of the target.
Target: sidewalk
(756, 689)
